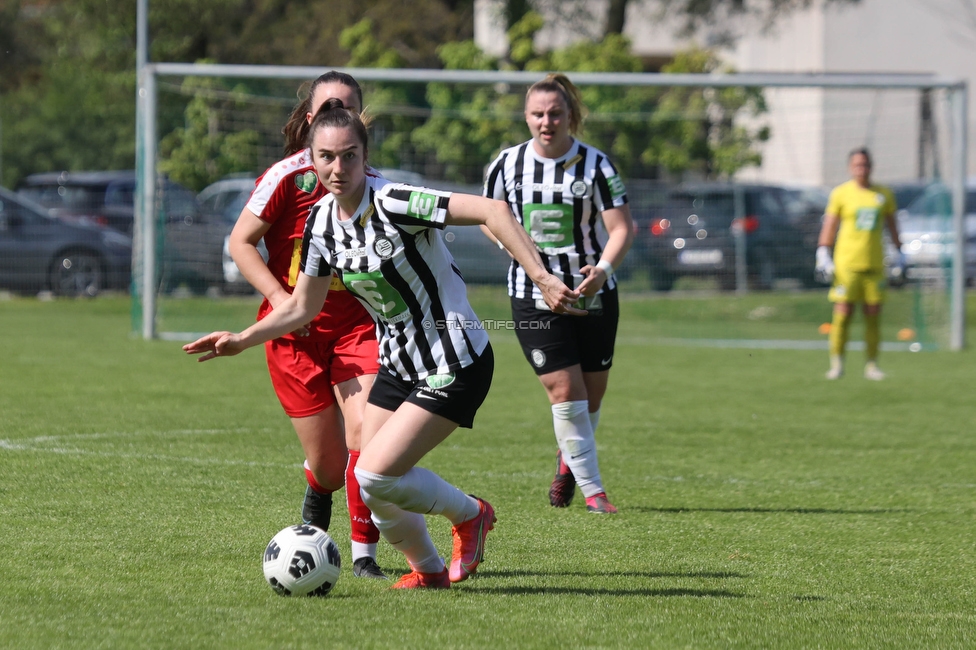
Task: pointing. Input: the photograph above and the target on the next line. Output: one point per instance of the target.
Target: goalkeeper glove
(897, 275)
(824, 270)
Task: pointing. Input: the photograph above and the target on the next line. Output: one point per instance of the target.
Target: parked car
(925, 227)
(226, 198)
(192, 241)
(38, 252)
(694, 233)
(906, 192)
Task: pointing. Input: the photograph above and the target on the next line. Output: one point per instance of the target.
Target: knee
(569, 409)
(328, 473)
(376, 486)
(843, 309)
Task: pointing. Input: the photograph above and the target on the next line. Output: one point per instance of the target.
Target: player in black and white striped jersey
(415, 294)
(572, 202)
(384, 240)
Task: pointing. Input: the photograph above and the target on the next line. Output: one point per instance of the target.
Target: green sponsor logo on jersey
(421, 205)
(616, 186)
(377, 292)
(307, 181)
(549, 225)
(440, 381)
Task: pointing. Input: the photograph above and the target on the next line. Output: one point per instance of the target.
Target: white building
(812, 129)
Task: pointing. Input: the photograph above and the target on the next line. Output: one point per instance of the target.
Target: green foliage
(391, 130)
(649, 132)
(200, 152)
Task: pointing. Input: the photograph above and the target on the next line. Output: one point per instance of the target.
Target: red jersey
(282, 197)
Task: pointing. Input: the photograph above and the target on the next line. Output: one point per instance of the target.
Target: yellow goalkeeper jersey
(862, 213)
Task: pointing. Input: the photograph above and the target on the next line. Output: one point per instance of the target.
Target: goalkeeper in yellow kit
(856, 268)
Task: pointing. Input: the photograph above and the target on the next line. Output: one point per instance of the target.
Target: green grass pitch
(760, 506)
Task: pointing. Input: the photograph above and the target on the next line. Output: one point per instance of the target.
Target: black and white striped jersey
(559, 201)
(391, 255)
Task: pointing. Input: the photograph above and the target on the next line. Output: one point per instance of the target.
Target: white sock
(361, 550)
(420, 490)
(424, 491)
(574, 434)
(594, 420)
(405, 531)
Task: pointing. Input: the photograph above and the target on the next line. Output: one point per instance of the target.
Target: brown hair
(296, 129)
(333, 113)
(560, 83)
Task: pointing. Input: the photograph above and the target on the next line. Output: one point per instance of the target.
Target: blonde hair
(559, 83)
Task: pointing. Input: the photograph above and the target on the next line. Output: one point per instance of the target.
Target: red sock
(360, 518)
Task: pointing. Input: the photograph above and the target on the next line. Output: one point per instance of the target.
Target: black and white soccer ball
(302, 560)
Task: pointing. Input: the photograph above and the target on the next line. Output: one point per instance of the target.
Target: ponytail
(296, 129)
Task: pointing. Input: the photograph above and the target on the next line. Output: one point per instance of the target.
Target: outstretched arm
(297, 310)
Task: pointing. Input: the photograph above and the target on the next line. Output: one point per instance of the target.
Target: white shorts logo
(538, 358)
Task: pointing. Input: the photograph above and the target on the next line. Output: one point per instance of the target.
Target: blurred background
(727, 185)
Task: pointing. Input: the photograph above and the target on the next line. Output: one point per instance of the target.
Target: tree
(67, 67)
(649, 132)
(201, 152)
(719, 16)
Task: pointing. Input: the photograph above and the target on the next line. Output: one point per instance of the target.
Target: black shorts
(455, 396)
(552, 342)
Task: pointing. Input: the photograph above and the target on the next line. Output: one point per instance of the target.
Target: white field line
(62, 445)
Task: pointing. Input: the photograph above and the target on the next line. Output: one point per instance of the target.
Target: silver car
(927, 239)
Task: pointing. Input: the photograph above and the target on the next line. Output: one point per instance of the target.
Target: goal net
(727, 179)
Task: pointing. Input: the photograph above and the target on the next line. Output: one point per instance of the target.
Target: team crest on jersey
(880, 198)
(538, 358)
(307, 181)
(578, 188)
(383, 247)
(440, 381)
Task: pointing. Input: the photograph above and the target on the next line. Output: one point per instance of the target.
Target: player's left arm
(892, 222)
(471, 210)
(620, 228)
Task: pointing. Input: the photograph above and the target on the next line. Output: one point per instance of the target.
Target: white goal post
(145, 245)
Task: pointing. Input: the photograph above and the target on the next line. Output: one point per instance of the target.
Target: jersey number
(378, 294)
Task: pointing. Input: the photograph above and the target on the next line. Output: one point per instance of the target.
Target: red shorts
(303, 373)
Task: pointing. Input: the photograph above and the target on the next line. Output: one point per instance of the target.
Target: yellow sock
(838, 333)
(872, 335)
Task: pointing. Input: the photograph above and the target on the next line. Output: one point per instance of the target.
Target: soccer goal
(727, 177)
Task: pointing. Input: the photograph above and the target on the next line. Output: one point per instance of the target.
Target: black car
(193, 239)
(38, 252)
(730, 232)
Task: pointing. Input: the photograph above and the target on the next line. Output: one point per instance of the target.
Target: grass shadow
(715, 575)
(640, 592)
(797, 511)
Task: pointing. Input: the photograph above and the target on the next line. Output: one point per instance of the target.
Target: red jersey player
(322, 373)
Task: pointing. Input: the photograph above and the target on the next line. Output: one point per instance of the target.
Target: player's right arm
(244, 240)
(305, 302)
(828, 236)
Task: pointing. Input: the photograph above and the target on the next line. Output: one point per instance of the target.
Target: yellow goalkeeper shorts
(858, 286)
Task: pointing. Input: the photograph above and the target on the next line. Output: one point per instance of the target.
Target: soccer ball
(302, 561)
